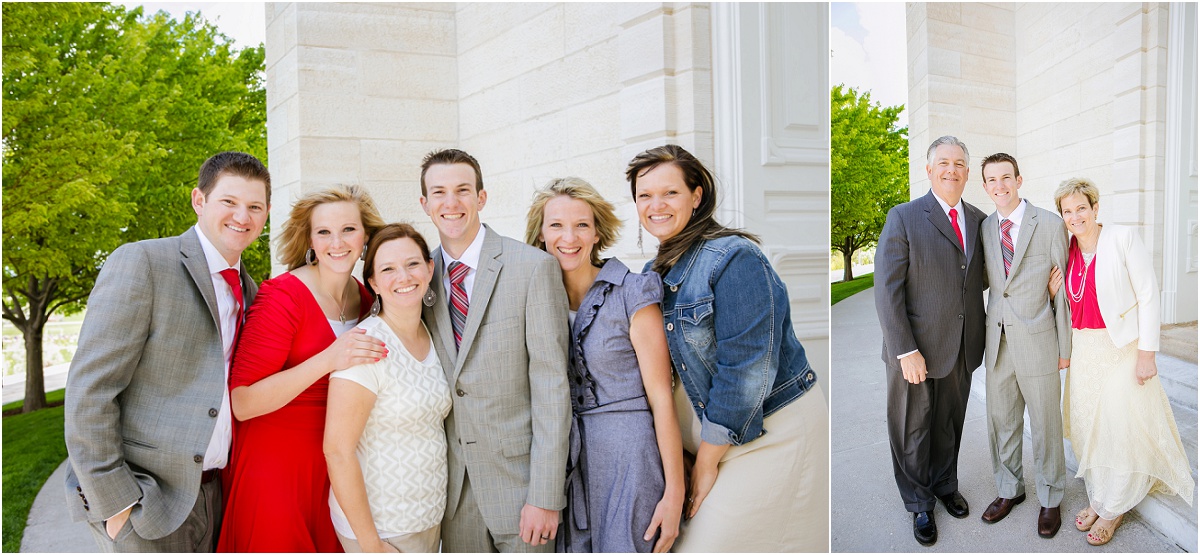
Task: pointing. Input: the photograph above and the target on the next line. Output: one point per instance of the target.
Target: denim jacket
(729, 329)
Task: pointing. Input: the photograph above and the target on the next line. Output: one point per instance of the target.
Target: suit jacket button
(198, 458)
(960, 316)
(461, 393)
(212, 412)
(1006, 295)
(79, 489)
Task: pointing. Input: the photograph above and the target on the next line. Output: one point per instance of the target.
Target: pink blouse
(1080, 286)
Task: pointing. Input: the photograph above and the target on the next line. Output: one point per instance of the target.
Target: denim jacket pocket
(697, 325)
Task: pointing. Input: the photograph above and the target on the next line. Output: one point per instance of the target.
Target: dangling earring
(693, 212)
(642, 250)
(376, 307)
(310, 257)
(429, 297)
(363, 256)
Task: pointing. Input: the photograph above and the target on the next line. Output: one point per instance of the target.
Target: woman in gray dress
(625, 482)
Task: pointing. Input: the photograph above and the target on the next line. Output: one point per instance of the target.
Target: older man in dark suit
(929, 277)
(148, 424)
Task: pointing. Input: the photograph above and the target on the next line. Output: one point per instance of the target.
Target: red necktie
(958, 232)
(234, 280)
(1006, 244)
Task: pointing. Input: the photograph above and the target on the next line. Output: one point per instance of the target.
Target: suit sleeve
(546, 338)
(891, 273)
(1062, 309)
(1145, 289)
(120, 309)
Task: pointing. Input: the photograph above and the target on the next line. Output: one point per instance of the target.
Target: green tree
(868, 170)
(108, 115)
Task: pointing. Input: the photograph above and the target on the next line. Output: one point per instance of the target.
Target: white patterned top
(402, 450)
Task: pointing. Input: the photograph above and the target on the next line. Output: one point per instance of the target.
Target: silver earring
(376, 307)
(642, 250)
(363, 256)
(429, 297)
(310, 256)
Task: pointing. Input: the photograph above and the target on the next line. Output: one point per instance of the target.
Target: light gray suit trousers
(1026, 334)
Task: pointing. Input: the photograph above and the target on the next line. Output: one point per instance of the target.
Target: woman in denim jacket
(750, 408)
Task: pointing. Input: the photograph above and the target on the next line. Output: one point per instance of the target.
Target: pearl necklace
(1082, 273)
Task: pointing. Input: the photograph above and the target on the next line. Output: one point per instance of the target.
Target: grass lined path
(33, 449)
(843, 289)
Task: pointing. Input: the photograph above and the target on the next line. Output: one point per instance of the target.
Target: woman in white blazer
(1115, 411)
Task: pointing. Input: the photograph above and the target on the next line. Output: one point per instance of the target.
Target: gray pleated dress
(614, 472)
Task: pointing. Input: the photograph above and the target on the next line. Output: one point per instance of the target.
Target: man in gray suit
(929, 298)
(148, 425)
(1028, 342)
(499, 324)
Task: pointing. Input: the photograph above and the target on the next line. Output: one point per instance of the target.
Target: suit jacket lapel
(440, 313)
(991, 236)
(192, 257)
(485, 281)
(971, 222)
(939, 219)
(1028, 224)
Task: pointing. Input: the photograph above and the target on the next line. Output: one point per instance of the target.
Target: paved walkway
(867, 514)
(50, 529)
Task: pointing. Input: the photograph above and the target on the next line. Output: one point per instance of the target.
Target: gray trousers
(197, 534)
(468, 533)
(1009, 394)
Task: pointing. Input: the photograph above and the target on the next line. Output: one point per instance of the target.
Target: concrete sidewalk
(866, 512)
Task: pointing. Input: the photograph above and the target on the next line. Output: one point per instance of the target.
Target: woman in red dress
(297, 331)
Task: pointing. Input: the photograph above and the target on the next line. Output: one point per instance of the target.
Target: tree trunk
(847, 254)
(35, 383)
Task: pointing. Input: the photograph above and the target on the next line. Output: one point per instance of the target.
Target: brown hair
(1081, 185)
(239, 164)
(608, 226)
(293, 241)
(451, 156)
(387, 233)
(702, 226)
(996, 159)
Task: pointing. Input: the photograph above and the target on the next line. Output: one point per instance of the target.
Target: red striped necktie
(458, 299)
(1006, 244)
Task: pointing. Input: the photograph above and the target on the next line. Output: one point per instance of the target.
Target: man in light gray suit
(1028, 342)
(499, 324)
(929, 298)
(148, 425)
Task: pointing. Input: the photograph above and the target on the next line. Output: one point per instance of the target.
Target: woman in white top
(384, 440)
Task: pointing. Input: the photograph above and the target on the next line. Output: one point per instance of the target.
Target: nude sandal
(1101, 535)
(1085, 519)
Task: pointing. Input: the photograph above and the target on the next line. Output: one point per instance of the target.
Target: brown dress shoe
(1000, 508)
(1048, 522)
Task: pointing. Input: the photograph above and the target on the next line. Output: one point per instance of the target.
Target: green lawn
(843, 289)
(33, 448)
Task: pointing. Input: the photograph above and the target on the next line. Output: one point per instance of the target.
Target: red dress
(278, 496)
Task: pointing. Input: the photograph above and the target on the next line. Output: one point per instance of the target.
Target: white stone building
(1105, 91)
(358, 93)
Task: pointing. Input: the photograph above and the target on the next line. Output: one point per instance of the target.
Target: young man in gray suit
(929, 298)
(1028, 342)
(499, 324)
(148, 425)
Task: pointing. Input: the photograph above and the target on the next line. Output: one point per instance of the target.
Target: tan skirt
(1123, 434)
(771, 494)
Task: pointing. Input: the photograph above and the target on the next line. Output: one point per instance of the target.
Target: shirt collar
(216, 262)
(946, 207)
(1017, 215)
(470, 256)
(613, 271)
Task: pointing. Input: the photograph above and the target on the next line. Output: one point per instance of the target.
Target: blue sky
(869, 50)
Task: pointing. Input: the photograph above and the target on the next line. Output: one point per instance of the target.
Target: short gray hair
(947, 140)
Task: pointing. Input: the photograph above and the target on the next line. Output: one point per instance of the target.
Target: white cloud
(879, 63)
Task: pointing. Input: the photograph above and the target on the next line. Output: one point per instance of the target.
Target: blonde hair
(608, 226)
(294, 238)
(1080, 185)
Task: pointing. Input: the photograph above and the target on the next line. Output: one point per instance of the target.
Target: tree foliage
(108, 115)
(868, 169)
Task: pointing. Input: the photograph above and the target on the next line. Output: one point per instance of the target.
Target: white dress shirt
(217, 454)
(958, 208)
(470, 257)
(1017, 215)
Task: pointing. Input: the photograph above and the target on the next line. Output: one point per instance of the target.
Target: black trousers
(925, 423)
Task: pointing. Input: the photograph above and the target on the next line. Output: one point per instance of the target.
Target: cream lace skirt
(1123, 434)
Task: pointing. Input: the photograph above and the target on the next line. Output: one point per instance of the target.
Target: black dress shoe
(955, 504)
(1048, 522)
(924, 529)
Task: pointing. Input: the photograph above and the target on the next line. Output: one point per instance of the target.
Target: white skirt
(1123, 434)
(771, 494)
